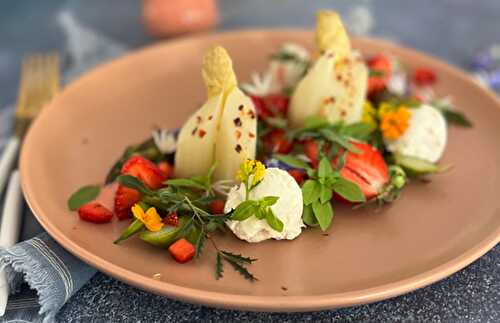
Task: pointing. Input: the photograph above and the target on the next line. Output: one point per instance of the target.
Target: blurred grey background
(451, 29)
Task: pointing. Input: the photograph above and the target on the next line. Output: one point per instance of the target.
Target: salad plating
(269, 158)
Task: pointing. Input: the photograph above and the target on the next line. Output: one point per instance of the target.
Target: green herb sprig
(318, 190)
(189, 198)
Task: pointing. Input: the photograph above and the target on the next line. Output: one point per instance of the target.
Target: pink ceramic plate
(431, 232)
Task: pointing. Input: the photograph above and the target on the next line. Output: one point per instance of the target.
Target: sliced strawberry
(277, 142)
(94, 212)
(217, 206)
(125, 198)
(298, 175)
(145, 170)
(380, 73)
(366, 168)
(277, 104)
(260, 107)
(167, 169)
(311, 150)
(424, 76)
(182, 251)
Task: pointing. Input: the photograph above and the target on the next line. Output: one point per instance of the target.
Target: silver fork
(39, 83)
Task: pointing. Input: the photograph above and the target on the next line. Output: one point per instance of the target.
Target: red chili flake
(210, 117)
(329, 100)
(202, 133)
(237, 122)
(199, 119)
(171, 219)
(238, 134)
(251, 114)
(424, 76)
(194, 131)
(238, 148)
(240, 108)
(251, 135)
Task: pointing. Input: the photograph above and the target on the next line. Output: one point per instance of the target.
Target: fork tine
(38, 84)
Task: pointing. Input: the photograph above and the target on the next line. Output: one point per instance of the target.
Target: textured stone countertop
(451, 29)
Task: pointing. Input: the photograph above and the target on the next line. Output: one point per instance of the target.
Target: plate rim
(252, 302)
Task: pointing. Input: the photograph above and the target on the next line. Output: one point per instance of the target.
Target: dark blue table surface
(451, 29)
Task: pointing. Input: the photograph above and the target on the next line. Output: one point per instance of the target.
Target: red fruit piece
(277, 104)
(298, 175)
(424, 76)
(260, 107)
(182, 251)
(380, 73)
(145, 170)
(277, 142)
(366, 168)
(171, 219)
(94, 212)
(125, 198)
(217, 206)
(167, 169)
(311, 151)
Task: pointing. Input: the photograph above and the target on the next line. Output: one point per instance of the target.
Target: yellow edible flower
(251, 167)
(393, 122)
(369, 115)
(150, 218)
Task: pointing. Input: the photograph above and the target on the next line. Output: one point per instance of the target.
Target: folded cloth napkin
(47, 268)
(52, 273)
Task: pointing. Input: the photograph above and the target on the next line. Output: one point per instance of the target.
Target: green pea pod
(132, 229)
(166, 236)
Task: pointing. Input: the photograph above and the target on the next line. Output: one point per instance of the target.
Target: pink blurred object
(173, 17)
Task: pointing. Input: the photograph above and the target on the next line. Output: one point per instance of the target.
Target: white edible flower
(288, 67)
(164, 140)
(425, 137)
(288, 208)
(260, 86)
(398, 82)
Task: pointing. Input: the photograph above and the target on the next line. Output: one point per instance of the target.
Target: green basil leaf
(308, 216)
(245, 210)
(323, 213)
(292, 161)
(273, 221)
(83, 196)
(359, 130)
(325, 194)
(331, 135)
(325, 168)
(268, 201)
(310, 191)
(260, 213)
(456, 118)
(314, 123)
(348, 190)
(186, 182)
(134, 183)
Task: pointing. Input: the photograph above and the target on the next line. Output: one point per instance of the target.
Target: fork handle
(7, 160)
